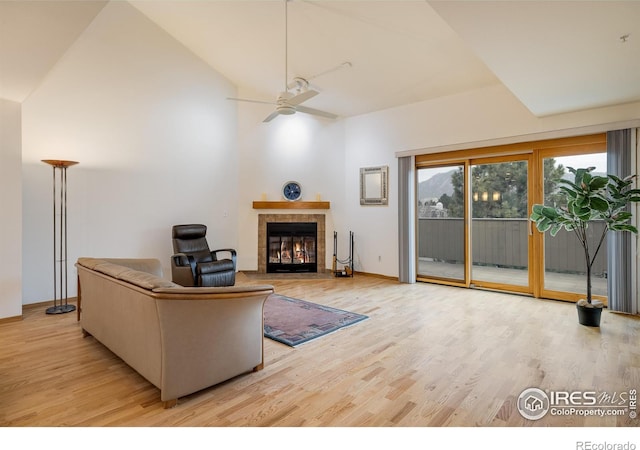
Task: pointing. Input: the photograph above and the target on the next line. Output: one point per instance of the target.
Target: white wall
(475, 116)
(11, 206)
(156, 140)
(301, 148)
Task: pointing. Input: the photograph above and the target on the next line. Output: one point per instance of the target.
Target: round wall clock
(292, 191)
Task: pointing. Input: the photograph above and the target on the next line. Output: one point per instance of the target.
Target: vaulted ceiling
(363, 56)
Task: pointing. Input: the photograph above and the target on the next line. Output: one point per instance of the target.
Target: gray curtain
(620, 245)
(406, 220)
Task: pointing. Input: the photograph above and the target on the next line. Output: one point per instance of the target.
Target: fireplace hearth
(291, 247)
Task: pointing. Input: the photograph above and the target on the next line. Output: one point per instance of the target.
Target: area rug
(292, 321)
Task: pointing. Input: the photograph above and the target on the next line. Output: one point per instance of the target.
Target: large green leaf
(615, 178)
(568, 183)
(573, 208)
(599, 204)
(584, 214)
(548, 211)
(623, 227)
(582, 200)
(544, 224)
(598, 183)
(570, 191)
(555, 228)
(579, 175)
(622, 216)
(537, 209)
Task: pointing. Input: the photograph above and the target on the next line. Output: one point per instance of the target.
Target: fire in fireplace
(291, 247)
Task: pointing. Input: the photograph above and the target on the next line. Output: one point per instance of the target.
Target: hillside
(437, 185)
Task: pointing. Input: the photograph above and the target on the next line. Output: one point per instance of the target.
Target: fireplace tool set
(347, 271)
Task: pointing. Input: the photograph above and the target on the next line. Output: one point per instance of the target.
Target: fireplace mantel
(290, 205)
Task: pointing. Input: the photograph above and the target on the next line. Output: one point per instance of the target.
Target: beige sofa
(181, 339)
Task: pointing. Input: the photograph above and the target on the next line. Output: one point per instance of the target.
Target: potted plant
(589, 197)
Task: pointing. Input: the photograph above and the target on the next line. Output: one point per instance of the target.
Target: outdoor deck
(564, 282)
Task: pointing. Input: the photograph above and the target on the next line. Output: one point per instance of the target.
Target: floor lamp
(60, 236)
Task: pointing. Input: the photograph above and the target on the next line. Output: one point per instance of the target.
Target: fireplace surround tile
(319, 219)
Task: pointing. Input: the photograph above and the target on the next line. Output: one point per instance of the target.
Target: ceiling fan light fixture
(286, 110)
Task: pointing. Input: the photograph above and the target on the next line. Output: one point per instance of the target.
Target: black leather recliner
(193, 264)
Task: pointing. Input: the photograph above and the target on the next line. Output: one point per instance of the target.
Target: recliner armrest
(180, 259)
(232, 252)
(183, 270)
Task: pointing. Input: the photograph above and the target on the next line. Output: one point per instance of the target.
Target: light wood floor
(428, 355)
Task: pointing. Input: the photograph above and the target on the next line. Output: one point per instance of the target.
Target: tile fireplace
(291, 243)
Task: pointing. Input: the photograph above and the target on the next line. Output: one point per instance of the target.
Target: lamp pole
(60, 237)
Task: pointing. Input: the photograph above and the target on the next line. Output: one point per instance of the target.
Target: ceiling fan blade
(344, 65)
(302, 97)
(271, 116)
(250, 101)
(297, 82)
(316, 112)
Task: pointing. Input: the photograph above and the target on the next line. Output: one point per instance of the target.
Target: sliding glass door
(441, 225)
(564, 259)
(473, 209)
(500, 232)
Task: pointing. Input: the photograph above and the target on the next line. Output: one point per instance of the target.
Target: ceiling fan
(297, 91)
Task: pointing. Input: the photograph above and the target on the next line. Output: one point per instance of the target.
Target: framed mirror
(374, 185)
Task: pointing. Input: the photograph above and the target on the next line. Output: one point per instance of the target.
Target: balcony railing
(503, 243)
